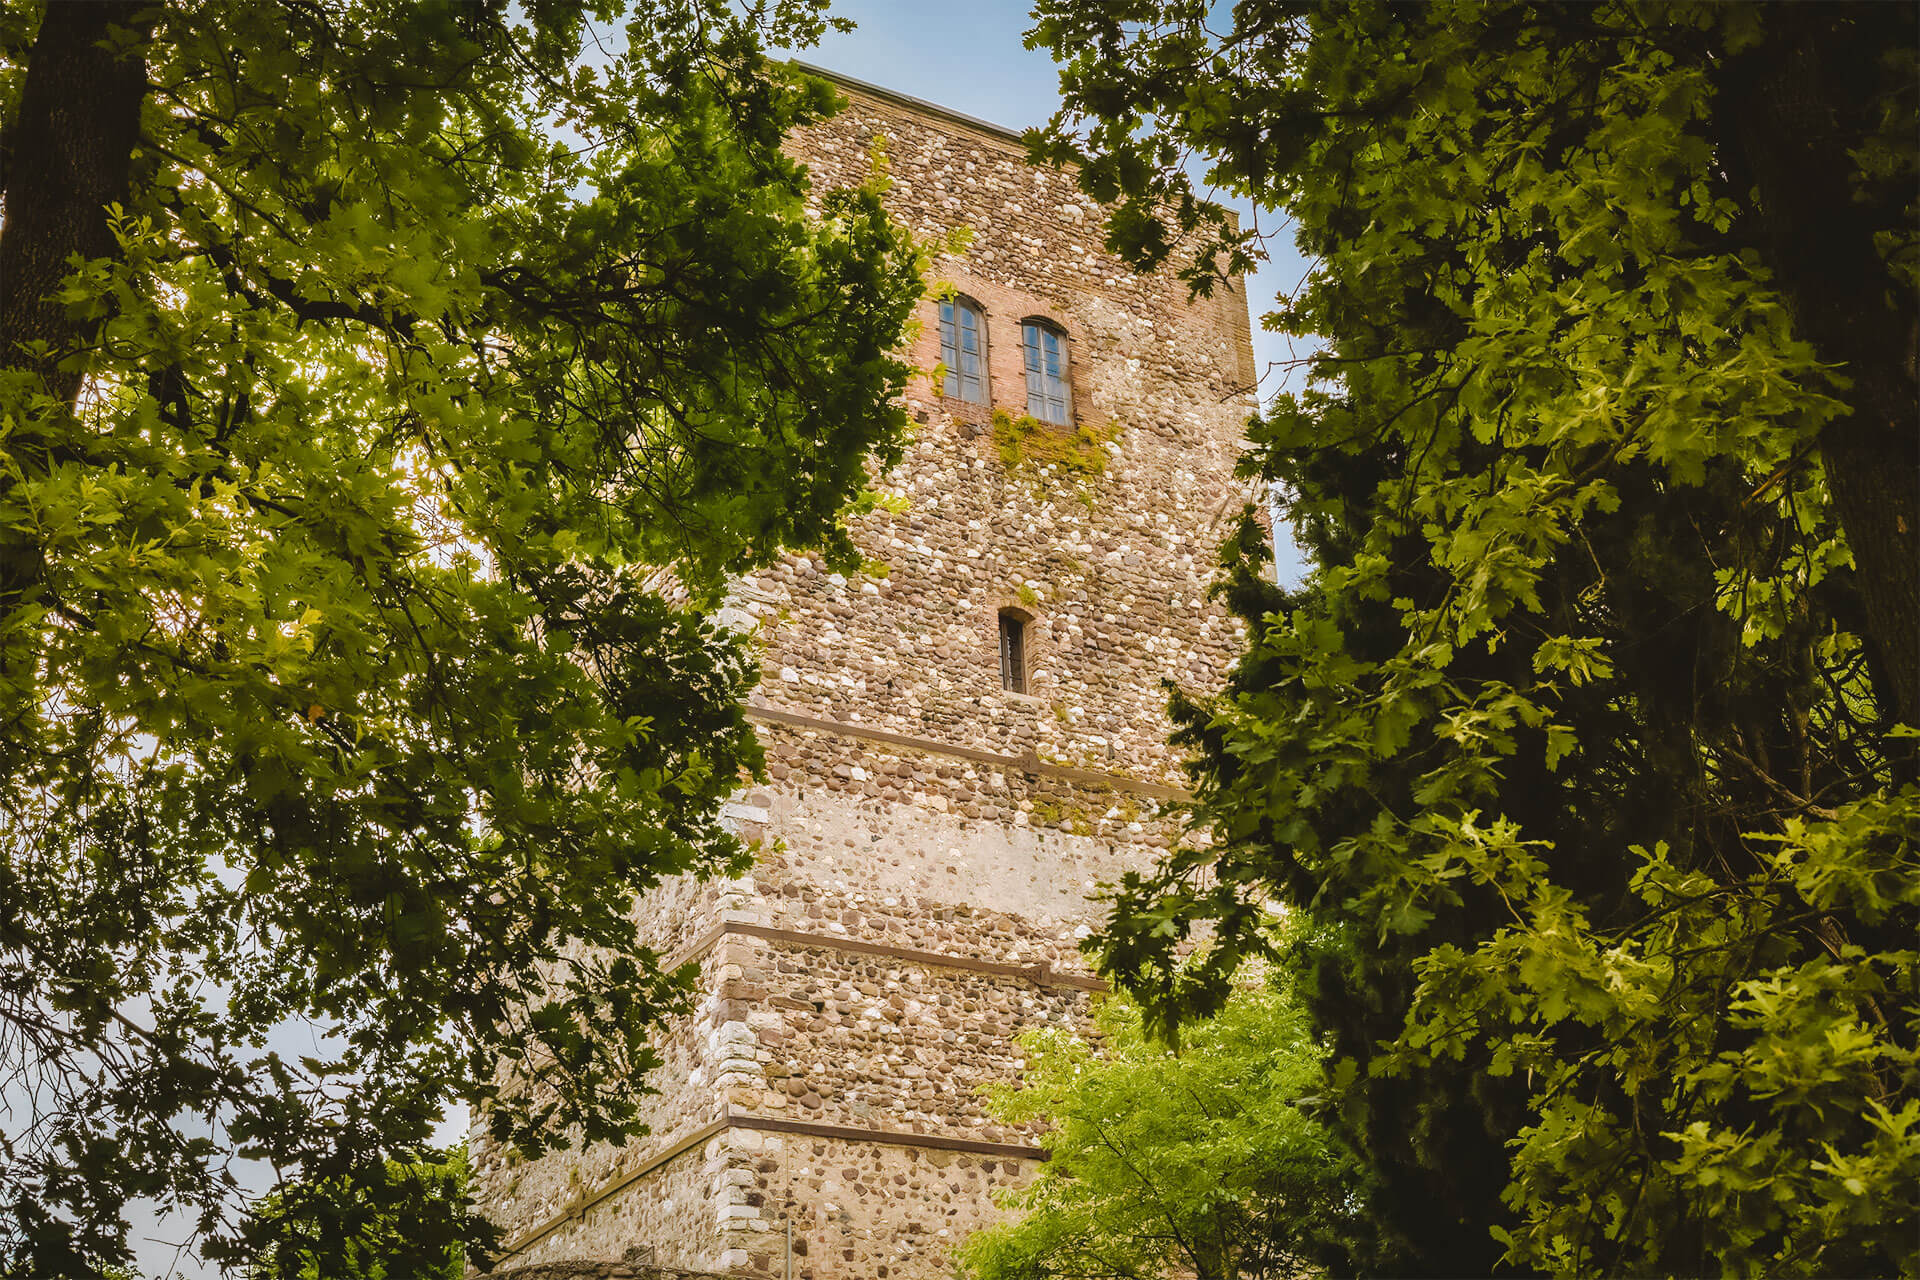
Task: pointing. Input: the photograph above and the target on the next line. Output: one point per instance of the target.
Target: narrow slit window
(1045, 350)
(963, 350)
(1013, 653)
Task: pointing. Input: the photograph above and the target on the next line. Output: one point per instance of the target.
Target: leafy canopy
(351, 424)
(1585, 755)
(1164, 1163)
(393, 1224)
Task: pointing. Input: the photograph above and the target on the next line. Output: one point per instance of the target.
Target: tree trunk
(72, 148)
(1794, 107)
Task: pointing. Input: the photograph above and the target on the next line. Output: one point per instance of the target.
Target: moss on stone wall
(1076, 455)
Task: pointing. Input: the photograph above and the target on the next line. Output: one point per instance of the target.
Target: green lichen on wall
(1078, 454)
(1072, 816)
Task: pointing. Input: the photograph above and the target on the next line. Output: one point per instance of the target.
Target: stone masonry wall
(930, 840)
(521, 1194)
(1114, 567)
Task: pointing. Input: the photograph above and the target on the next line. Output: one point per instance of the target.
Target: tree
(374, 1233)
(1585, 755)
(1198, 1162)
(351, 422)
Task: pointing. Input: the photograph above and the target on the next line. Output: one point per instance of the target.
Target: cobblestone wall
(931, 839)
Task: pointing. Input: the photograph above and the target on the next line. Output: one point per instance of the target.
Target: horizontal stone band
(1041, 974)
(1025, 764)
(578, 1207)
(885, 1137)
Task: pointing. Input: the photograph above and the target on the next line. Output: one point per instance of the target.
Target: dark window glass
(963, 349)
(1045, 349)
(1013, 653)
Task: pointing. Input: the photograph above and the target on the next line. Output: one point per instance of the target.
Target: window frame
(954, 356)
(1049, 390)
(1016, 660)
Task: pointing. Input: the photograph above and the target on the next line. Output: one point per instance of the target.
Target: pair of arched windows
(1043, 351)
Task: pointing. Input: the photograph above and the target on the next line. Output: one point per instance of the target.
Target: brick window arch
(1043, 347)
(1013, 650)
(963, 348)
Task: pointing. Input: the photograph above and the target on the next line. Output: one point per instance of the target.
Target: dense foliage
(1585, 754)
(391, 1223)
(1169, 1163)
(349, 420)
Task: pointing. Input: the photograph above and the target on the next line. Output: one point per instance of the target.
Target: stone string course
(586, 1270)
(908, 846)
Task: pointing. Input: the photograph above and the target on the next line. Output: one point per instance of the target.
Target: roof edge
(908, 100)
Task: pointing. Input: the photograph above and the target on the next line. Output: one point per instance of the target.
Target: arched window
(1045, 348)
(963, 349)
(1013, 651)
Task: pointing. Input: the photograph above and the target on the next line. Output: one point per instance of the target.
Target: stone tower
(960, 751)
